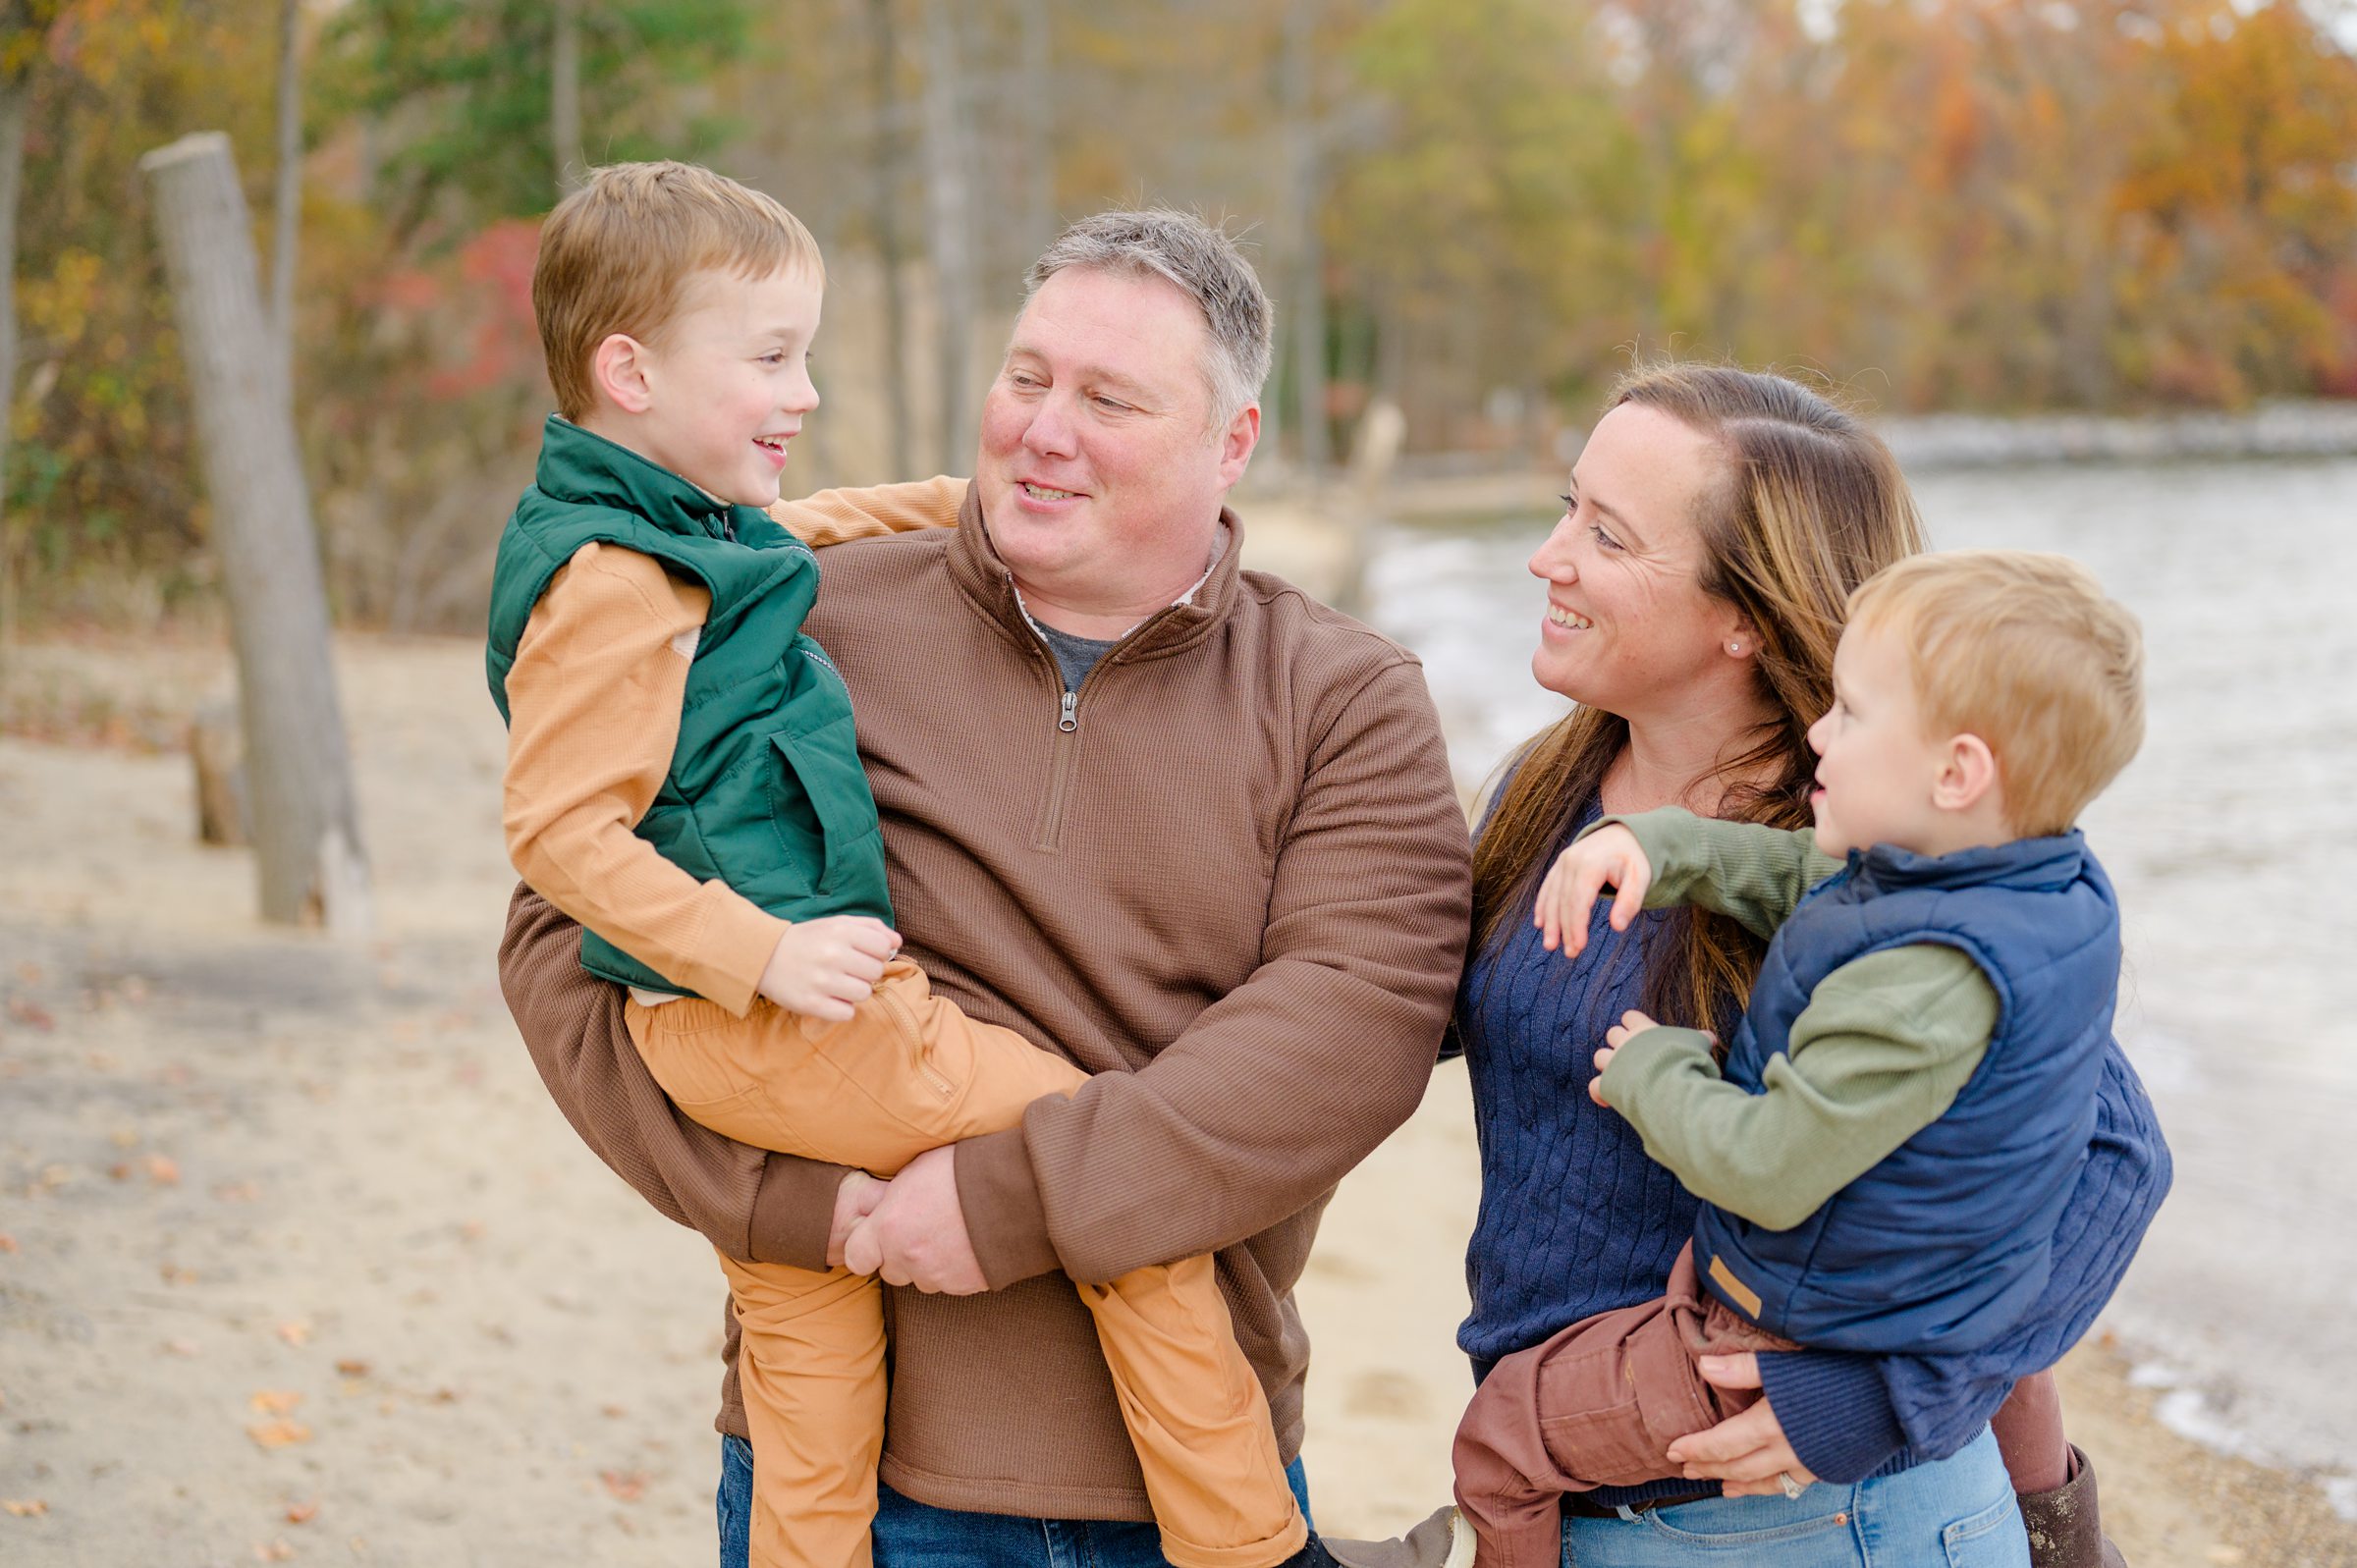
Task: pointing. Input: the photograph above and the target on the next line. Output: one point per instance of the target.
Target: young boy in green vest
(684, 780)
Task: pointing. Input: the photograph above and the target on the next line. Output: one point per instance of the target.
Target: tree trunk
(287, 206)
(15, 95)
(1307, 268)
(884, 64)
(305, 818)
(952, 234)
(1039, 130)
(564, 97)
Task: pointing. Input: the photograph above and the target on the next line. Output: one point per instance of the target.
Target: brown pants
(1598, 1405)
(911, 1072)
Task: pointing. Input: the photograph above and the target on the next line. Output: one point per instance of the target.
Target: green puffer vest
(765, 790)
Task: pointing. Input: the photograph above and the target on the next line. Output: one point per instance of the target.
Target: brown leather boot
(2066, 1528)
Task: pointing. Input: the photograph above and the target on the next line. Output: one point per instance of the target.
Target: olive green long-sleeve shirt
(1880, 1053)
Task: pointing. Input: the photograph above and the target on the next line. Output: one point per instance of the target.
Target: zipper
(1048, 835)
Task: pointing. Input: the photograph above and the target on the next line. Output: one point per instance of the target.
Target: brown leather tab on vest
(1736, 1291)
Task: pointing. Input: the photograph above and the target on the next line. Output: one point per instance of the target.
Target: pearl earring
(1734, 647)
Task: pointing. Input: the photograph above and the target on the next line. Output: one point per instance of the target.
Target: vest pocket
(821, 786)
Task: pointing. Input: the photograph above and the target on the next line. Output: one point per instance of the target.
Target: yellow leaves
(278, 1434)
(26, 1508)
(625, 1485)
(275, 1401)
(160, 1171)
(303, 1513)
(58, 307)
(296, 1331)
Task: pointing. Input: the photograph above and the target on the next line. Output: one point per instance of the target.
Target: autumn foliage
(1992, 205)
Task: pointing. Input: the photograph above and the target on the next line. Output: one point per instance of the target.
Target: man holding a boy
(1177, 821)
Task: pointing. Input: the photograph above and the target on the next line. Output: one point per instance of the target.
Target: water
(2232, 840)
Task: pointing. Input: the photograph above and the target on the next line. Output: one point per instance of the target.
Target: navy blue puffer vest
(1947, 1241)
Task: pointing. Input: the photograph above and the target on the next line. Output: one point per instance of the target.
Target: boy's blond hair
(2024, 651)
(615, 254)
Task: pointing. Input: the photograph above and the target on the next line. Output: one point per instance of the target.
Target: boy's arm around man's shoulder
(873, 512)
(750, 1204)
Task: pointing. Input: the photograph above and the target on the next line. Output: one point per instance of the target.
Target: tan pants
(911, 1072)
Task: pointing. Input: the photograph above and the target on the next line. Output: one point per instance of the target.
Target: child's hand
(825, 968)
(1604, 1060)
(1610, 854)
(1632, 1022)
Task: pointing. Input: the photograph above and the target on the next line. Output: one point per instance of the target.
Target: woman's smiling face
(1628, 626)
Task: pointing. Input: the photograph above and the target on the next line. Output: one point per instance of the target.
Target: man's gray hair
(1205, 265)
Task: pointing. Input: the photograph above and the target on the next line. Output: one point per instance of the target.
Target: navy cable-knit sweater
(1575, 1219)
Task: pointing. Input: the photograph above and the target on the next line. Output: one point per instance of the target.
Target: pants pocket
(1990, 1539)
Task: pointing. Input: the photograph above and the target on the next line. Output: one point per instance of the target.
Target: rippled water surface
(2232, 839)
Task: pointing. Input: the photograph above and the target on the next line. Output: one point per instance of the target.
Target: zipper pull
(1068, 718)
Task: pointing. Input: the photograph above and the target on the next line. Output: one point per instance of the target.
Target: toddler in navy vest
(1897, 1124)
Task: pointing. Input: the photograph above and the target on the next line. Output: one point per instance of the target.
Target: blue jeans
(915, 1535)
(1956, 1512)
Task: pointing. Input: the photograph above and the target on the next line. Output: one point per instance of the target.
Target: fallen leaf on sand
(118, 1171)
(274, 1552)
(303, 1513)
(275, 1401)
(175, 1275)
(294, 1332)
(164, 1173)
(626, 1485)
(237, 1192)
(124, 1138)
(351, 1367)
(29, 1508)
(32, 1014)
(8, 1243)
(180, 1347)
(471, 1230)
(278, 1434)
(612, 1412)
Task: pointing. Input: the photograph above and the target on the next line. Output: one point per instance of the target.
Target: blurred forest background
(1471, 211)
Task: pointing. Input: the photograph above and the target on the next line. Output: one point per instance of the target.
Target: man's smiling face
(1101, 476)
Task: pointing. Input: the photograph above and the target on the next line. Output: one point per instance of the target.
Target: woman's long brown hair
(1811, 505)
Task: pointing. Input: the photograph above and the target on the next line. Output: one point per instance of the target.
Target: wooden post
(304, 817)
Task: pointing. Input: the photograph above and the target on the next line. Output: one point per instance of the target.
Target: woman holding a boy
(1696, 587)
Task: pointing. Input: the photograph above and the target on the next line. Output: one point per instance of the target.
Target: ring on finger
(1792, 1489)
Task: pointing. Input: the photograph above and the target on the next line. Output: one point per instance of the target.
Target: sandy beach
(298, 1263)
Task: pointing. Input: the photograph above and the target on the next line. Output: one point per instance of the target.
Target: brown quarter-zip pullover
(1229, 878)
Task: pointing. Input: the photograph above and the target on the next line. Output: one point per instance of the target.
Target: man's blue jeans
(912, 1534)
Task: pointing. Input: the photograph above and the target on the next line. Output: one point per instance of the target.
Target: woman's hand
(1747, 1452)
(1609, 855)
